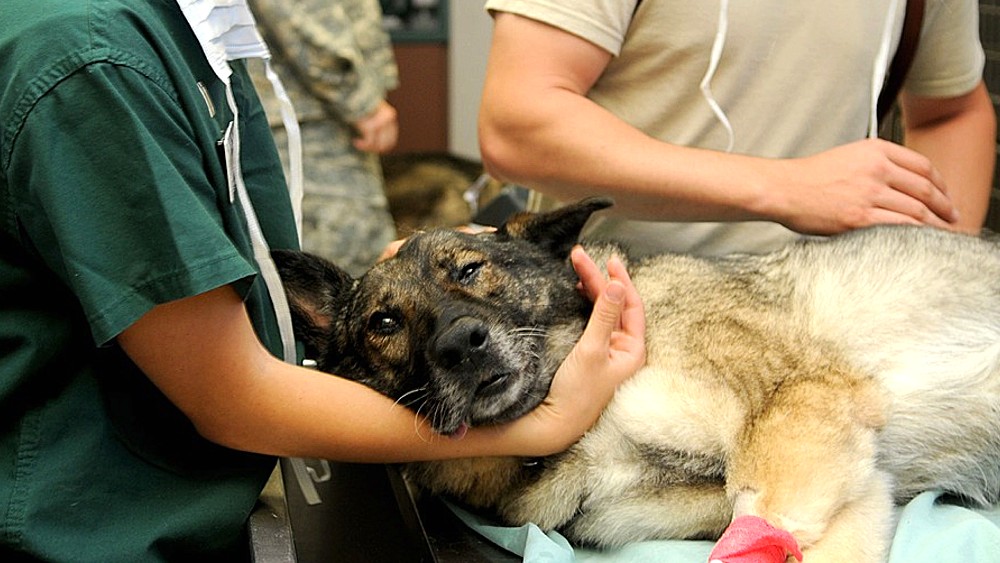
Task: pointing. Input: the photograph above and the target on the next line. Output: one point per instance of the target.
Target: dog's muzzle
(464, 341)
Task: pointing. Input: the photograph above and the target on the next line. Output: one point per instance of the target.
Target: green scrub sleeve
(120, 201)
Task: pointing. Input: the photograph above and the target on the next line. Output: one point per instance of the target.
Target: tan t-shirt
(794, 78)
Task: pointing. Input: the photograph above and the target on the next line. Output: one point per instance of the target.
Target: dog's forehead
(392, 277)
(418, 261)
(435, 248)
(419, 271)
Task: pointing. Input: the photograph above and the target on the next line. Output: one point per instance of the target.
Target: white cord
(881, 67)
(262, 254)
(713, 64)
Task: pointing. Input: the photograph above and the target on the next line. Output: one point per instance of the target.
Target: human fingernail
(615, 292)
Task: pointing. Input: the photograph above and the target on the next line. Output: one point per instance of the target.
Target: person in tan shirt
(752, 148)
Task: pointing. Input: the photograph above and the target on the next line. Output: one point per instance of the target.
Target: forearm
(961, 144)
(538, 128)
(203, 354)
(291, 411)
(287, 410)
(534, 143)
(866, 182)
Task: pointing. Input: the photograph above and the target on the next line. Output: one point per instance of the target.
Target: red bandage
(750, 539)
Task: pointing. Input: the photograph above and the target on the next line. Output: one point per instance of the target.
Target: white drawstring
(713, 64)
(304, 475)
(881, 67)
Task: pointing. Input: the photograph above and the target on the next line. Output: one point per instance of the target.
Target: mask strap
(880, 67)
(305, 476)
(713, 65)
(261, 251)
(211, 33)
(294, 135)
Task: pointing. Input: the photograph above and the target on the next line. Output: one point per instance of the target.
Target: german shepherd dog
(812, 387)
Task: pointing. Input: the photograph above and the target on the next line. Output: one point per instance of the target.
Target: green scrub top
(113, 199)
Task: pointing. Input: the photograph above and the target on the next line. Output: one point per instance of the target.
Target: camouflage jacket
(337, 50)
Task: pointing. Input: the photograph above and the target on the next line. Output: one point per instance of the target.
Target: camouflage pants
(345, 214)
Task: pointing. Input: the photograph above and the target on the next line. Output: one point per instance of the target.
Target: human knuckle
(855, 217)
(923, 190)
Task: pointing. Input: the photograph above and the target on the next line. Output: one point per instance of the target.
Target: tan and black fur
(812, 386)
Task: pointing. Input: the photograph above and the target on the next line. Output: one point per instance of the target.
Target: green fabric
(113, 199)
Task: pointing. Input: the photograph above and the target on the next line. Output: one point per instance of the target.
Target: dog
(813, 386)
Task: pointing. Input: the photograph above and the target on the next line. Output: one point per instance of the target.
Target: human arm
(203, 354)
(343, 57)
(537, 128)
(958, 134)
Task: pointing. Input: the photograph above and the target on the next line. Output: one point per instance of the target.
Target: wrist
(766, 182)
(528, 436)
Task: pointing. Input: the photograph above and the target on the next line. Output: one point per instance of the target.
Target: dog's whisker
(412, 400)
(529, 331)
(434, 417)
(417, 417)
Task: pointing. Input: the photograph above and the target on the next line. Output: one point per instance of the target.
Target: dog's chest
(665, 427)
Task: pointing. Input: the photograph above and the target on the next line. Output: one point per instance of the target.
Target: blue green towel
(928, 531)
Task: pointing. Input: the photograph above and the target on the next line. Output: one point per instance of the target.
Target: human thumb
(606, 316)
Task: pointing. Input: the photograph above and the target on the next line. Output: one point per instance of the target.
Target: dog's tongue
(459, 432)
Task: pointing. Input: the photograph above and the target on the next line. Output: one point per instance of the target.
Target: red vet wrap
(750, 539)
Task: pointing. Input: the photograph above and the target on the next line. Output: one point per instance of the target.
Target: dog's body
(811, 386)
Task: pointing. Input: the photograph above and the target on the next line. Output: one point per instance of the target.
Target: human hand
(860, 184)
(379, 131)
(391, 249)
(611, 350)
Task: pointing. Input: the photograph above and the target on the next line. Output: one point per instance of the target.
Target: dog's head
(467, 329)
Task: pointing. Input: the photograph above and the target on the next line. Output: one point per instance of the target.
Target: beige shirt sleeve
(950, 57)
(602, 22)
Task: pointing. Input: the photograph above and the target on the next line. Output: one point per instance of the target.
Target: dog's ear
(316, 290)
(557, 230)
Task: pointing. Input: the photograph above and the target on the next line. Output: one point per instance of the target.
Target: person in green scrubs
(142, 400)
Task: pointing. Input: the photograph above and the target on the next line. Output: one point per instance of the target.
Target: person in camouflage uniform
(340, 65)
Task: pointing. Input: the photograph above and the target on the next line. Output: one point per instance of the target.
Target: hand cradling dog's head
(466, 329)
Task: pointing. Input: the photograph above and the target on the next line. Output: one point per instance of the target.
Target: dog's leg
(608, 506)
(863, 526)
(806, 463)
(649, 512)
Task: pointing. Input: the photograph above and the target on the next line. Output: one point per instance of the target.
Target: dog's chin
(504, 397)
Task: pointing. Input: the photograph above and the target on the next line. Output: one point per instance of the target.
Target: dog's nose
(464, 339)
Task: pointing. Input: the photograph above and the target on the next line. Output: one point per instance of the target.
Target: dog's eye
(383, 323)
(468, 273)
